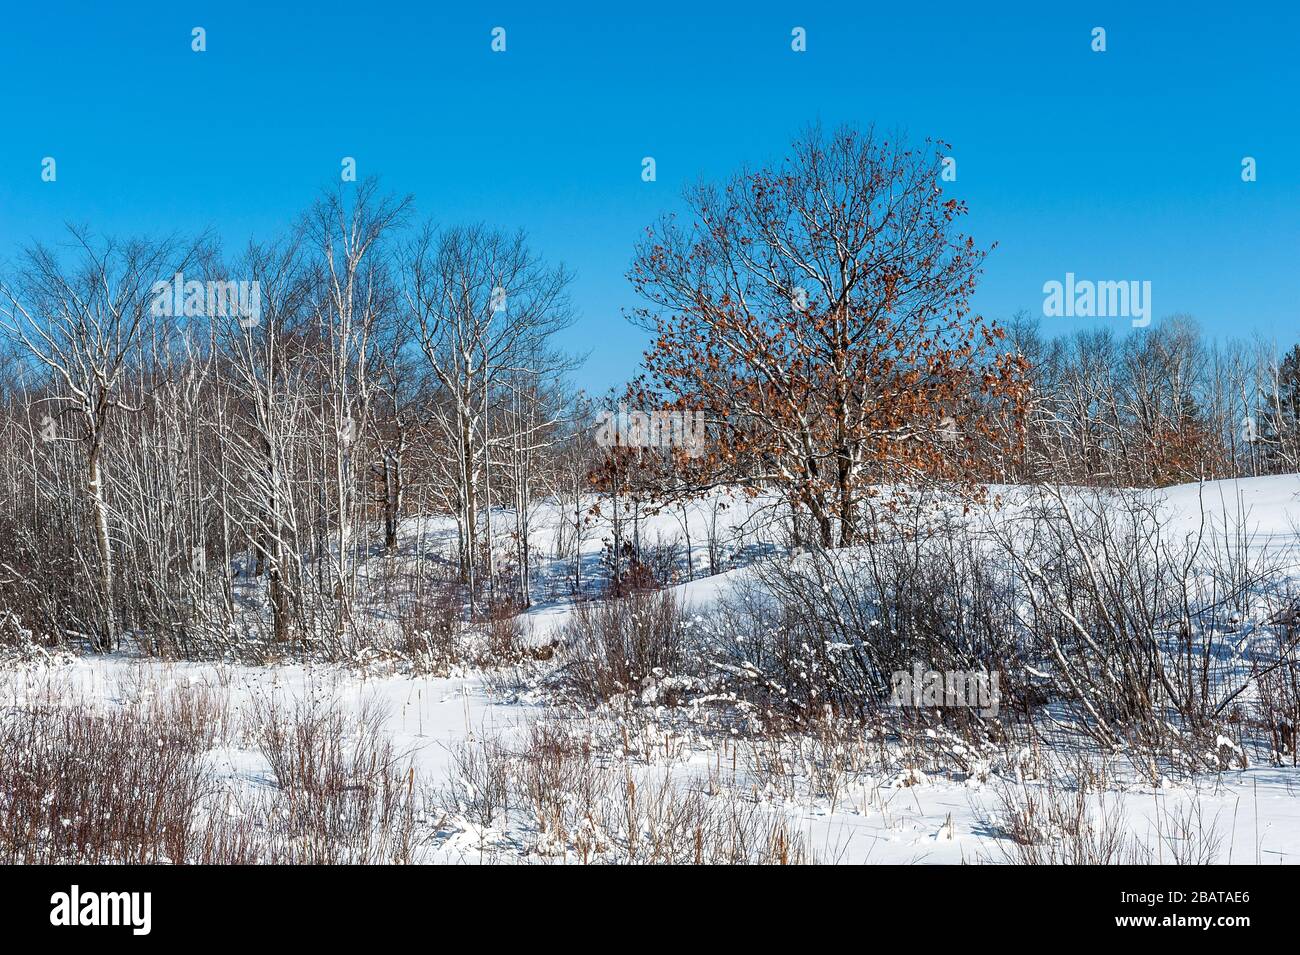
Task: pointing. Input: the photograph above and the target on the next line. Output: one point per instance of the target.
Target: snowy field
(834, 797)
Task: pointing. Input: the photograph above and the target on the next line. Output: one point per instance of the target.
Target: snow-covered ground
(901, 818)
(894, 816)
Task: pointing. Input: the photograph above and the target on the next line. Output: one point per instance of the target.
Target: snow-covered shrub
(623, 647)
(20, 649)
(1134, 626)
(827, 631)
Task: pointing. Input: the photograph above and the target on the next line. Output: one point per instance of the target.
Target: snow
(903, 817)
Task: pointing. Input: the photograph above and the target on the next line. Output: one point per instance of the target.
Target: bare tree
(354, 294)
(484, 306)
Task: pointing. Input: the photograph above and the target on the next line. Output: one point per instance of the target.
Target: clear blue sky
(1117, 165)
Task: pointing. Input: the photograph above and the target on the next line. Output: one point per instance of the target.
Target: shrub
(623, 646)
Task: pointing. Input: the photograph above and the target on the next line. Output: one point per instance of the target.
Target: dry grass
(78, 785)
(1070, 818)
(344, 795)
(575, 804)
(134, 784)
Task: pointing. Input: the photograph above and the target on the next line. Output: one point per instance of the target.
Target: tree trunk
(392, 497)
(848, 520)
(100, 508)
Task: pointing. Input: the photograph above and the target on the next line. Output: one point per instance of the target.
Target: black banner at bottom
(142, 905)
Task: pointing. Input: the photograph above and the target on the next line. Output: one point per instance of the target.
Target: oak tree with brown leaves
(818, 313)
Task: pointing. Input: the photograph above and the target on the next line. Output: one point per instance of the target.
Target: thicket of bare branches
(1100, 626)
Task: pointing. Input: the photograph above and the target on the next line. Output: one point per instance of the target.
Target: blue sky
(1122, 165)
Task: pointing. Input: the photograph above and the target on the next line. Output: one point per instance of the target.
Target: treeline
(177, 420)
(1156, 406)
(173, 421)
